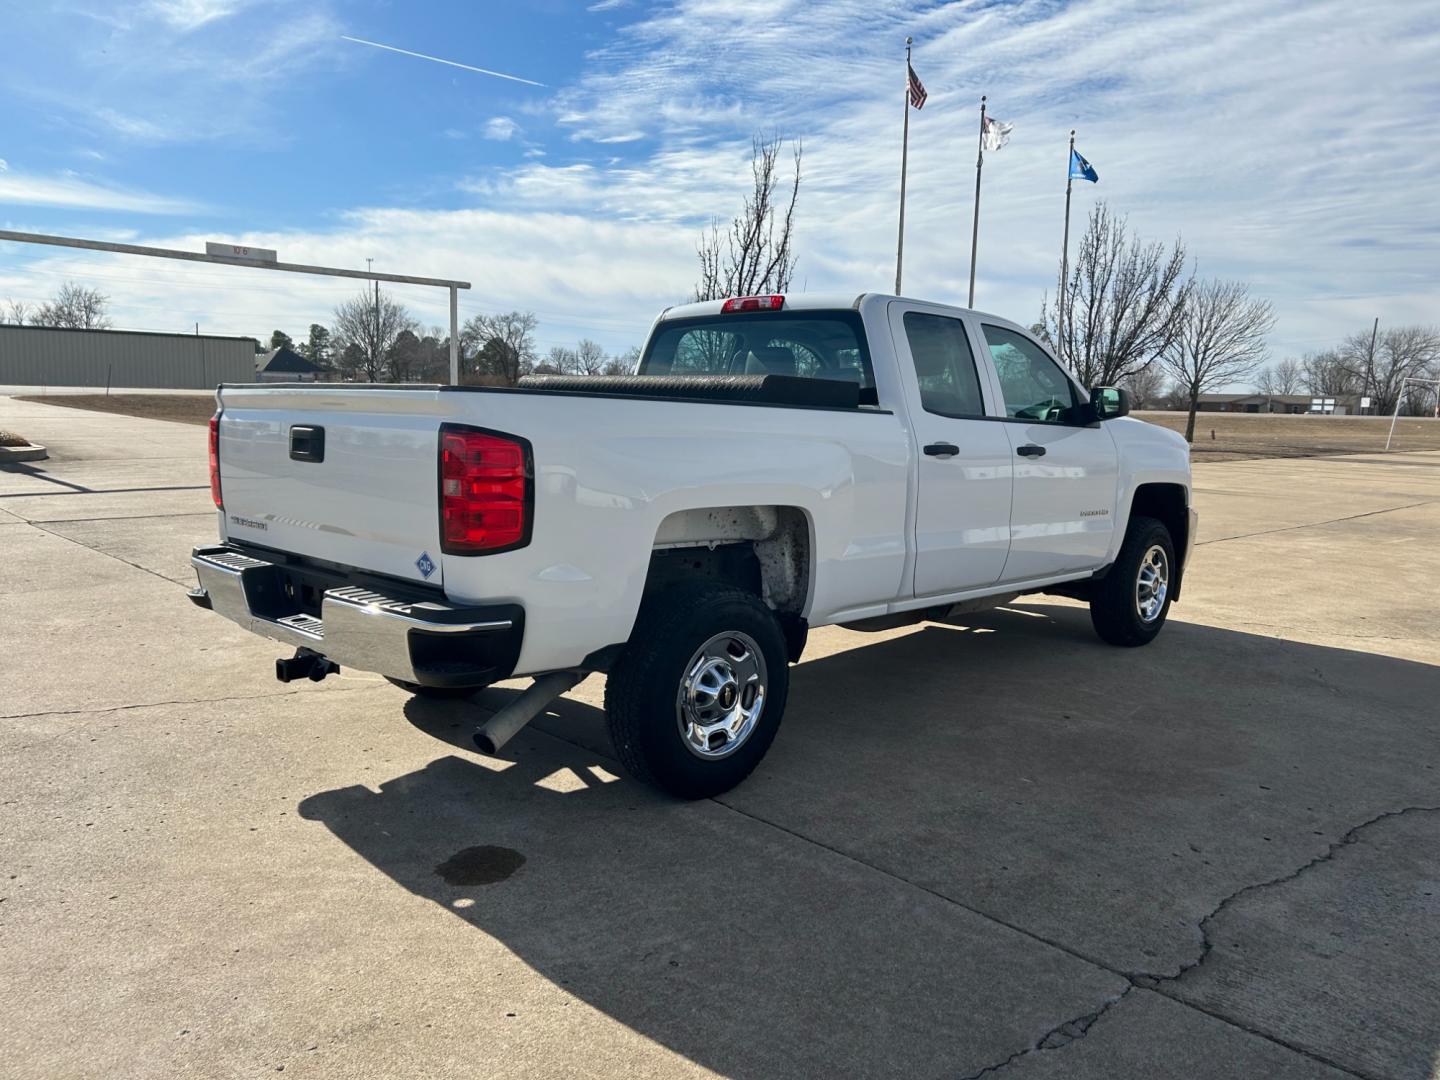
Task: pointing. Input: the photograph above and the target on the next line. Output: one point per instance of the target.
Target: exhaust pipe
(305, 664)
(502, 727)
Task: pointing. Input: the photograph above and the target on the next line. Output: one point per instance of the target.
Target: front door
(1063, 513)
(962, 525)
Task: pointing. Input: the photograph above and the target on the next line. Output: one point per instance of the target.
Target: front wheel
(1128, 606)
(696, 698)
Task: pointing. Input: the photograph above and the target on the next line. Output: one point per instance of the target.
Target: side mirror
(1108, 402)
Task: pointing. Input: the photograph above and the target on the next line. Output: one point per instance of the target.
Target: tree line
(374, 338)
(1130, 312)
(1133, 316)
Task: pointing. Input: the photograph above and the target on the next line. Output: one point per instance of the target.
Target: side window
(944, 365)
(1034, 386)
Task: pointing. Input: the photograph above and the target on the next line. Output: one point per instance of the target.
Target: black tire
(1114, 607)
(435, 693)
(644, 687)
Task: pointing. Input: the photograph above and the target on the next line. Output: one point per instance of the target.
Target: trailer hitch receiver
(305, 664)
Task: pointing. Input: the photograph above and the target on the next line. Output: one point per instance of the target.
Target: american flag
(917, 90)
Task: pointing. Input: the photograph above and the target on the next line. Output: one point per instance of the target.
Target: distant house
(286, 365)
(1279, 403)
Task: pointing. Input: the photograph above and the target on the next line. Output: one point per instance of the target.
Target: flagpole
(1065, 252)
(904, 156)
(975, 229)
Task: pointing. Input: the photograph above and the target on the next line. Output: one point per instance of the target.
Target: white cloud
(500, 128)
(173, 71)
(618, 137)
(1261, 135)
(69, 191)
(606, 5)
(138, 128)
(583, 277)
(186, 15)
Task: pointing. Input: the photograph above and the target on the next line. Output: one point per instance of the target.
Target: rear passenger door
(962, 525)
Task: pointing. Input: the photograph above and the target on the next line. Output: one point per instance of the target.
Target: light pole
(377, 316)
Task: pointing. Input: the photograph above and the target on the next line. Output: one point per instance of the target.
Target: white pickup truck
(775, 463)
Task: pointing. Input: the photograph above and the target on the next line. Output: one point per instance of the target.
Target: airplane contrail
(438, 60)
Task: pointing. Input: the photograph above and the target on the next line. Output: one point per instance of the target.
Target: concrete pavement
(996, 848)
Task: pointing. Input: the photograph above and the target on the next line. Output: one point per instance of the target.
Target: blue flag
(1080, 169)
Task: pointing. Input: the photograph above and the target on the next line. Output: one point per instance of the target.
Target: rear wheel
(696, 698)
(435, 693)
(1128, 606)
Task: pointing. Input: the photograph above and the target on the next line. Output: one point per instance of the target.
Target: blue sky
(1293, 143)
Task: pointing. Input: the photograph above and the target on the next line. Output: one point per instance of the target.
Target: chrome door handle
(1030, 450)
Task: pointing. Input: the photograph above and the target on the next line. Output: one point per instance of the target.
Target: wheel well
(763, 549)
(1166, 503)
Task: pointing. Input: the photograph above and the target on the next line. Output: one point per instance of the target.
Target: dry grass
(1237, 436)
(184, 408)
(9, 438)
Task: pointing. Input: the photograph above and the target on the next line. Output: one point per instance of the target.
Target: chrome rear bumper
(416, 639)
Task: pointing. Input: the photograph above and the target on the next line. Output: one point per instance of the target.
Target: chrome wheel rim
(1152, 584)
(721, 695)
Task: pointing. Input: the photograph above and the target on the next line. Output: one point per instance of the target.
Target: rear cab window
(802, 344)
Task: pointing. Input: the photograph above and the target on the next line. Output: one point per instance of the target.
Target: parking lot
(993, 848)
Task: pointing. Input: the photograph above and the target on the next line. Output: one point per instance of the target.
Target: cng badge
(425, 565)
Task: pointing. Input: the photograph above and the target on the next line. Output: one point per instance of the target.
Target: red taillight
(215, 461)
(752, 303)
(485, 491)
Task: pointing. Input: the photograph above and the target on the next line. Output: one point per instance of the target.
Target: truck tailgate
(344, 474)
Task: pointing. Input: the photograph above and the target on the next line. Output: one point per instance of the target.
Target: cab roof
(822, 302)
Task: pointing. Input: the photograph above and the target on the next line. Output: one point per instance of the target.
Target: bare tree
(1397, 354)
(1123, 302)
(75, 307)
(16, 311)
(1176, 398)
(1326, 374)
(623, 364)
(589, 357)
(755, 255)
(500, 346)
(1282, 377)
(558, 361)
(1146, 387)
(372, 326)
(1220, 339)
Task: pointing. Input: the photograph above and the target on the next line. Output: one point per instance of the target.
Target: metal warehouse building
(48, 356)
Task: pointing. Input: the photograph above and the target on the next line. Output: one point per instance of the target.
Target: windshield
(809, 344)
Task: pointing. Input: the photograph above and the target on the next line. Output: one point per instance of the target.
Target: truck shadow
(1104, 799)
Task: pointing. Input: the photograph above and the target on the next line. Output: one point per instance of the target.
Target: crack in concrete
(101, 551)
(1080, 1026)
(1060, 1036)
(98, 709)
(1314, 524)
(1152, 981)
